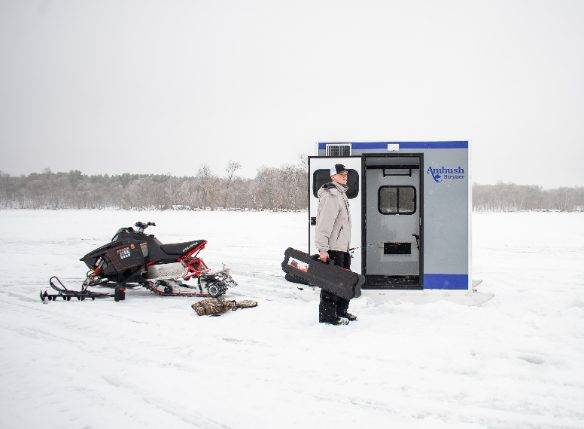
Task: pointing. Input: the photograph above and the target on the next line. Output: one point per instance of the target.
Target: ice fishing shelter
(410, 205)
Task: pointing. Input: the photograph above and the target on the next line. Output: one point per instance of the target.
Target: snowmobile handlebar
(142, 226)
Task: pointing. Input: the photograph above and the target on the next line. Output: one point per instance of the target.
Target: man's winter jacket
(333, 220)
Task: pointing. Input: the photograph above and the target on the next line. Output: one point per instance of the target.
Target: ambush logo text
(444, 173)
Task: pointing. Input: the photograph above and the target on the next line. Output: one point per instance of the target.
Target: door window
(320, 177)
(393, 200)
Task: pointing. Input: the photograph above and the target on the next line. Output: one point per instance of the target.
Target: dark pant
(332, 306)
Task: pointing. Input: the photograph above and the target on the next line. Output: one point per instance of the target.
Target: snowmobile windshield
(118, 232)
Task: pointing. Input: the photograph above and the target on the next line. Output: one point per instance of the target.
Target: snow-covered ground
(150, 362)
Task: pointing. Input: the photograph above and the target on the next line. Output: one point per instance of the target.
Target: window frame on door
(353, 181)
(397, 187)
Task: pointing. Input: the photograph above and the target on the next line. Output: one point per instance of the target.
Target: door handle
(417, 240)
(313, 220)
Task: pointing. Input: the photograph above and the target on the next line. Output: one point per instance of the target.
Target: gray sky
(164, 86)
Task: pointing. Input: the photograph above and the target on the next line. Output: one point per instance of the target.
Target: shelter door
(319, 168)
(393, 223)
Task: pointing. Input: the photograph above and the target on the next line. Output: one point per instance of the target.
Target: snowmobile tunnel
(409, 204)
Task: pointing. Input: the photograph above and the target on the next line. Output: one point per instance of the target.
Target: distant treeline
(276, 189)
(511, 197)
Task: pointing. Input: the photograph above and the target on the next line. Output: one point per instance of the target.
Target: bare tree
(303, 161)
(206, 184)
(230, 170)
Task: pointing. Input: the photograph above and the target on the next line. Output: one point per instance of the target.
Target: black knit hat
(338, 168)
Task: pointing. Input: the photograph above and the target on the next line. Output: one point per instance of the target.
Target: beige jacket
(333, 220)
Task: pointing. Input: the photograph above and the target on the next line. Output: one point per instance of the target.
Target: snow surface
(150, 362)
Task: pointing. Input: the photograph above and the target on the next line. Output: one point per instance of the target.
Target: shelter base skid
(430, 281)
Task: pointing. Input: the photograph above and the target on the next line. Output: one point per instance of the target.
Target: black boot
(341, 321)
(342, 307)
(349, 316)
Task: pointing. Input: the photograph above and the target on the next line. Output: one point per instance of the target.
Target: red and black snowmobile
(134, 258)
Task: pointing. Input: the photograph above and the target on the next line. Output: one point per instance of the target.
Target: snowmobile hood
(92, 256)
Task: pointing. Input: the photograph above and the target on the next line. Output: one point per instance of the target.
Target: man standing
(332, 239)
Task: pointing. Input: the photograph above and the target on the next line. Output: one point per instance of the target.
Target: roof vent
(338, 149)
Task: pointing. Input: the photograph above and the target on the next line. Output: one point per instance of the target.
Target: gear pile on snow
(133, 259)
(218, 306)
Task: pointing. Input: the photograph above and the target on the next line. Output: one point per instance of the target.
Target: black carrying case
(332, 278)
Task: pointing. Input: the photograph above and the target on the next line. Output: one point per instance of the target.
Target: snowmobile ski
(81, 295)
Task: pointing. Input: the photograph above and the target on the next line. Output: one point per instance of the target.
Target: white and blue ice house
(410, 205)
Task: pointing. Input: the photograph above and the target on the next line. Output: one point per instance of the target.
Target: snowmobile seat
(178, 249)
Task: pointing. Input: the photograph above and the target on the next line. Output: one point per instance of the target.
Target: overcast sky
(164, 86)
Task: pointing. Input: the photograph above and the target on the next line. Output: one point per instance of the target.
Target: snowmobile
(133, 258)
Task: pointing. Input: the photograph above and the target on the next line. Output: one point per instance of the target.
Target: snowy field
(149, 362)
